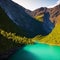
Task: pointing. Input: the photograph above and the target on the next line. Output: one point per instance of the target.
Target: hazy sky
(34, 4)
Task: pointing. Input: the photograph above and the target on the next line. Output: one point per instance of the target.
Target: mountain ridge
(54, 12)
(17, 27)
(19, 16)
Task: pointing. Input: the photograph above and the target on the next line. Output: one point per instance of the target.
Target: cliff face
(54, 12)
(18, 15)
(8, 25)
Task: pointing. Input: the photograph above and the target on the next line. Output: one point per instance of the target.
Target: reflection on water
(37, 52)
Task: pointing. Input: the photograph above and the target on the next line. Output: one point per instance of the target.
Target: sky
(34, 4)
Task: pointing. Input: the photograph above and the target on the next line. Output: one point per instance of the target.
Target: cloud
(57, 3)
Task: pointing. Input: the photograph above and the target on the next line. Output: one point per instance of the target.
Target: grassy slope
(39, 18)
(54, 37)
(8, 42)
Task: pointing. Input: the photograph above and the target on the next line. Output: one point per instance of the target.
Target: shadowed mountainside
(8, 25)
(18, 15)
(54, 12)
(14, 19)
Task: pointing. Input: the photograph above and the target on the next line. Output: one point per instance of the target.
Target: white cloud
(57, 3)
(32, 6)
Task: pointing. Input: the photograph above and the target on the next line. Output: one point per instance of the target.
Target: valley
(22, 29)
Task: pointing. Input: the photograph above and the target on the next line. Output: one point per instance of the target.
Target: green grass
(39, 18)
(54, 37)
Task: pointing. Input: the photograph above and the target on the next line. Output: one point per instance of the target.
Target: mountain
(15, 19)
(8, 38)
(18, 15)
(38, 11)
(7, 45)
(9, 41)
(8, 25)
(54, 12)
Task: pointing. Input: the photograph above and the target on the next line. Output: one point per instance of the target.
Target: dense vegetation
(11, 40)
(54, 37)
(39, 18)
(8, 25)
(12, 36)
(8, 38)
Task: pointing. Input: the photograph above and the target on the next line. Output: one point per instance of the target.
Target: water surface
(37, 51)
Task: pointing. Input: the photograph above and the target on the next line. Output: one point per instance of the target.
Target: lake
(37, 51)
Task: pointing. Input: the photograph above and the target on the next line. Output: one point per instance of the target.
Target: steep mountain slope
(39, 11)
(14, 19)
(54, 12)
(19, 16)
(54, 37)
(9, 42)
(58, 19)
(8, 25)
(7, 46)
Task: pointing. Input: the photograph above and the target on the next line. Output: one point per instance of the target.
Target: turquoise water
(37, 51)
